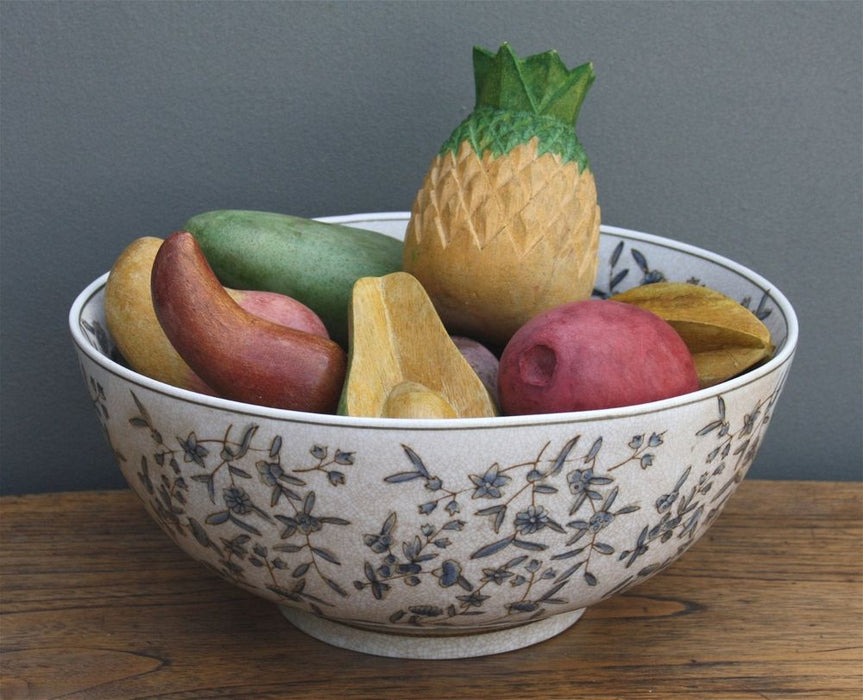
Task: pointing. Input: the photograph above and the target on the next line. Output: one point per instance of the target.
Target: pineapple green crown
(540, 84)
(520, 99)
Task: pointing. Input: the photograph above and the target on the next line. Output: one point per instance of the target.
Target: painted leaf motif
(326, 554)
(218, 518)
(416, 460)
(492, 548)
(401, 477)
(527, 544)
(640, 260)
(615, 255)
(563, 455)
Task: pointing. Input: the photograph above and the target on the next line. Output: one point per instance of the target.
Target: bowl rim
(785, 354)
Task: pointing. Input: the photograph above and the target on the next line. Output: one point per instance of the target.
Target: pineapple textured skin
(497, 239)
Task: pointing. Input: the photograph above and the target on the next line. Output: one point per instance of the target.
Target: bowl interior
(626, 259)
(630, 258)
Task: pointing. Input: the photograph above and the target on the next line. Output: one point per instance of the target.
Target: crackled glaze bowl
(443, 538)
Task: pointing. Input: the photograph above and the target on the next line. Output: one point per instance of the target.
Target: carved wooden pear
(402, 362)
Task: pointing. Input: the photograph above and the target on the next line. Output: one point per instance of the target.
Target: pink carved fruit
(281, 309)
(592, 354)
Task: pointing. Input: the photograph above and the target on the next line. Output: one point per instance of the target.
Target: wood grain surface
(98, 603)
(391, 316)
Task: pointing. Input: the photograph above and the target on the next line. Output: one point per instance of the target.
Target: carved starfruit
(724, 337)
(402, 362)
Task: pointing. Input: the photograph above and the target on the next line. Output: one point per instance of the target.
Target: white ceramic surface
(443, 538)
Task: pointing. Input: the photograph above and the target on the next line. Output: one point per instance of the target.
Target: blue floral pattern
(489, 542)
(519, 558)
(617, 273)
(529, 555)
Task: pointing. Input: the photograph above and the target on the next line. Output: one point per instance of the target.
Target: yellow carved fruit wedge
(723, 336)
(402, 363)
(132, 322)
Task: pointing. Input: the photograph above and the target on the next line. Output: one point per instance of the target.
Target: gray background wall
(732, 126)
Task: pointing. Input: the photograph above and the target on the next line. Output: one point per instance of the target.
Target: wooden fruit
(484, 362)
(506, 223)
(593, 354)
(239, 355)
(415, 400)
(314, 262)
(402, 362)
(280, 309)
(724, 337)
(138, 335)
(132, 320)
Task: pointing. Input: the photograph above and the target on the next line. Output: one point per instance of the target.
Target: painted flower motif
(306, 523)
(497, 576)
(532, 519)
(489, 484)
(581, 482)
(582, 485)
(378, 543)
(193, 451)
(426, 508)
(237, 500)
(472, 600)
(270, 472)
(412, 553)
(600, 520)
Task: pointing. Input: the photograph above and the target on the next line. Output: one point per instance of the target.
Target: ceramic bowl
(443, 538)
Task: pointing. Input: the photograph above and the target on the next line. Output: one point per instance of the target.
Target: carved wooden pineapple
(506, 223)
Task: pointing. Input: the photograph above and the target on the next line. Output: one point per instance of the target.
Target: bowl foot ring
(405, 646)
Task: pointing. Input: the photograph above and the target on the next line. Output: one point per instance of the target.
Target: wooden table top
(98, 603)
